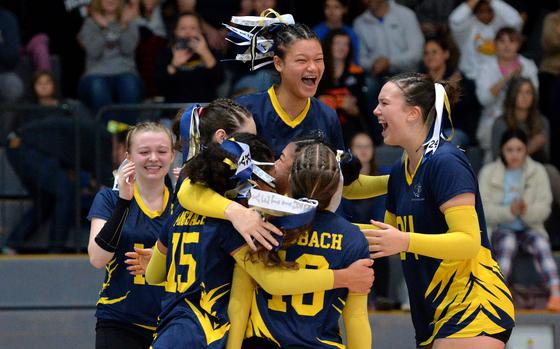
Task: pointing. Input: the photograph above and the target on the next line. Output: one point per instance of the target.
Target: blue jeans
(53, 194)
(97, 91)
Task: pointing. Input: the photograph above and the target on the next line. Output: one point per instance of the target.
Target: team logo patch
(417, 192)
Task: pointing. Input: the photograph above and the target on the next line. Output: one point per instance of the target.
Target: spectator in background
(45, 93)
(11, 86)
(187, 70)
(171, 10)
(474, 25)
(433, 15)
(343, 85)
(110, 37)
(390, 38)
(362, 211)
(150, 18)
(38, 49)
(335, 10)
(390, 42)
(153, 37)
(438, 64)
(520, 111)
(493, 78)
(549, 78)
(41, 151)
(517, 200)
(212, 13)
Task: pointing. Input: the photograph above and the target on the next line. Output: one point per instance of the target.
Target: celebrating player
(435, 220)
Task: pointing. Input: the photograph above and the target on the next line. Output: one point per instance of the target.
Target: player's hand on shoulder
(357, 277)
(250, 224)
(385, 241)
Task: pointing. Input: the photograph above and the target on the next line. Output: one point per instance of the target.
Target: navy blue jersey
(276, 127)
(199, 273)
(124, 297)
(448, 298)
(310, 320)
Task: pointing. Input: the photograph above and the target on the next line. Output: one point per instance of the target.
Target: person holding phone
(188, 61)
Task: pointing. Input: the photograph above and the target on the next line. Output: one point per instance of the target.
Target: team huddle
(248, 250)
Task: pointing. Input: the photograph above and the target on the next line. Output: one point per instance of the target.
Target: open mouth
(384, 125)
(309, 81)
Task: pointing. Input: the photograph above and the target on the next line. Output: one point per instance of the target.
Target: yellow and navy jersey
(448, 298)
(310, 320)
(124, 297)
(274, 124)
(199, 273)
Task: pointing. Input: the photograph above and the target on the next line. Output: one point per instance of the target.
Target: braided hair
(315, 175)
(221, 113)
(284, 35)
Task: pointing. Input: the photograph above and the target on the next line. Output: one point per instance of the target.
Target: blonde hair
(96, 6)
(146, 127)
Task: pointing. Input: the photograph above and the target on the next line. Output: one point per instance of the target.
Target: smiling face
(301, 68)
(514, 153)
(152, 153)
(283, 167)
(391, 113)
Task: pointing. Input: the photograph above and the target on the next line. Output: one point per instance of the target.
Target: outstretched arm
(366, 187)
(461, 241)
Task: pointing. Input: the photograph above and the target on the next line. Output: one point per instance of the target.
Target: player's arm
(204, 201)
(356, 322)
(98, 257)
(109, 218)
(358, 277)
(366, 187)
(156, 269)
(239, 307)
(461, 241)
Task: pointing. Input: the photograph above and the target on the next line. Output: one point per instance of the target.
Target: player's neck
(150, 190)
(293, 105)
(414, 149)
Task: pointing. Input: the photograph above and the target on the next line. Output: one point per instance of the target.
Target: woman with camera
(187, 71)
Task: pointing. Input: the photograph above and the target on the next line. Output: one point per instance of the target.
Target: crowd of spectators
(506, 59)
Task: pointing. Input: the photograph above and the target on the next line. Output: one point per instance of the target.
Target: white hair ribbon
(441, 99)
(279, 205)
(260, 21)
(259, 47)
